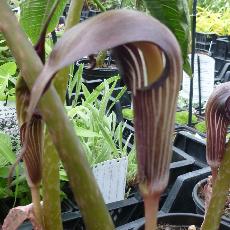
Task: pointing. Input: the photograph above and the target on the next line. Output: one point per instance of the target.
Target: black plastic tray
(179, 198)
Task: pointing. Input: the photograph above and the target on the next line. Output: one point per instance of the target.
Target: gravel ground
(9, 125)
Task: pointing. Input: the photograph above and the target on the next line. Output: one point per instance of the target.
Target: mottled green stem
(51, 182)
(73, 18)
(74, 13)
(219, 194)
(82, 181)
(51, 186)
(36, 203)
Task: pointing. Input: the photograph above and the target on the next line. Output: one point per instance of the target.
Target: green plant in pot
(154, 87)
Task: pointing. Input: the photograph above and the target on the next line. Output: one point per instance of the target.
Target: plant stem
(74, 14)
(214, 174)
(61, 79)
(219, 194)
(51, 181)
(51, 186)
(151, 203)
(82, 181)
(36, 204)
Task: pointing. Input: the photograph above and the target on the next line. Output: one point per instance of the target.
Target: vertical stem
(51, 191)
(192, 62)
(36, 204)
(61, 79)
(219, 194)
(74, 13)
(214, 174)
(199, 83)
(51, 186)
(151, 203)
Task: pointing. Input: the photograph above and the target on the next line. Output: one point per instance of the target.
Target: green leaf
(63, 175)
(90, 98)
(4, 172)
(6, 148)
(8, 68)
(108, 138)
(4, 48)
(77, 81)
(81, 132)
(175, 15)
(34, 14)
(120, 94)
(105, 99)
(85, 91)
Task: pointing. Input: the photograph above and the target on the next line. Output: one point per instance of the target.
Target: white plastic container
(111, 178)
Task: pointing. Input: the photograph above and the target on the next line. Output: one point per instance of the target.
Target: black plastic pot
(181, 219)
(93, 77)
(224, 74)
(222, 50)
(181, 163)
(93, 13)
(200, 204)
(219, 65)
(193, 146)
(179, 198)
(205, 41)
(122, 212)
(85, 14)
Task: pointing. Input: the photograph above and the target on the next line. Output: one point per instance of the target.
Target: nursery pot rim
(198, 202)
(171, 218)
(105, 69)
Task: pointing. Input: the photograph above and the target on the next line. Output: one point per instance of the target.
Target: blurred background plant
(214, 21)
(8, 78)
(116, 4)
(19, 189)
(214, 5)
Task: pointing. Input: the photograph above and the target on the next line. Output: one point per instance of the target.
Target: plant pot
(193, 146)
(224, 74)
(121, 212)
(205, 42)
(219, 65)
(222, 50)
(179, 198)
(93, 77)
(85, 14)
(200, 203)
(185, 219)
